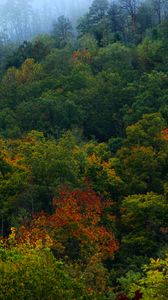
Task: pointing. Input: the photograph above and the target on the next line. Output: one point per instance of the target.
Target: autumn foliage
(80, 56)
(164, 134)
(84, 152)
(76, 224)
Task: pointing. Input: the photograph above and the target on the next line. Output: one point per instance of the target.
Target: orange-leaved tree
(75, 229)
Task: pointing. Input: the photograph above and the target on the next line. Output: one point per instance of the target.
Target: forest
(84, 154)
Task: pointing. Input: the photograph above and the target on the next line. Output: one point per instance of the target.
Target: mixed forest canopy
(84, 151)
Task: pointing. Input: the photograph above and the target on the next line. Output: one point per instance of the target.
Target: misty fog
(23, 19)
(66, 7)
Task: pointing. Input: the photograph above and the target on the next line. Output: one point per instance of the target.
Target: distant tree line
(124, 20)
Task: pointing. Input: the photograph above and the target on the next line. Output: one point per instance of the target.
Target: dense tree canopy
(84, 155)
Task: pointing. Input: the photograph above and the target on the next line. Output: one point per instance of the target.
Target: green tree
(62, 31)
(27, 273)
(95, 21)
(144, 220)
(151, 282)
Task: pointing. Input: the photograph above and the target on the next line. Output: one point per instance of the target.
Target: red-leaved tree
(75, 229)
